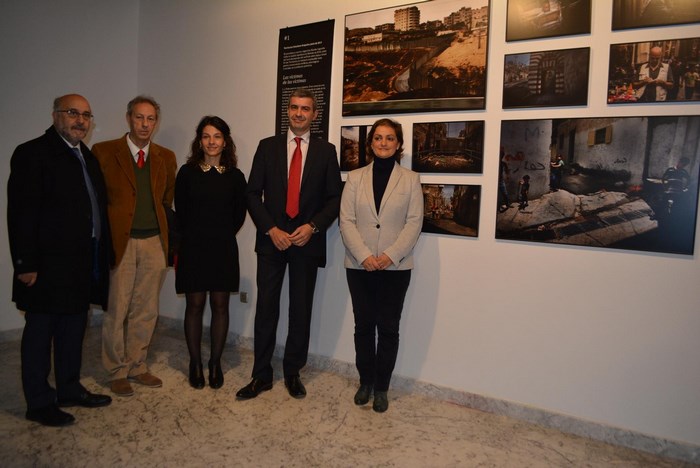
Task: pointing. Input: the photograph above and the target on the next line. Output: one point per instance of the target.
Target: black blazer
(319, 196)
(49, 220)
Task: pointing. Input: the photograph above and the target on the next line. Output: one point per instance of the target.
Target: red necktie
(140, 162)
(294, 182)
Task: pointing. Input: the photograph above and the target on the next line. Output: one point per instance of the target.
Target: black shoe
(295, 387)
(50, 416)
(216, 375)
(86, 400)
(196, 375)
(363, 394)
(381, 402)
(253, 389)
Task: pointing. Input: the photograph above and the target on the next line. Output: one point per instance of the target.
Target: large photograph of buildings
(416, 58)
(614, 182)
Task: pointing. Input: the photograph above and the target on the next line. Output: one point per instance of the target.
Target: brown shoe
(121, 387)
(147, 380)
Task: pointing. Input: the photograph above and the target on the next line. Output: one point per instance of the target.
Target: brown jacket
(117, 166)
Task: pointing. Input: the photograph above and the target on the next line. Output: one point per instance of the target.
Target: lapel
(368, 187)
(310, 160)
(394, 179)
(126, 161)
(281, 162)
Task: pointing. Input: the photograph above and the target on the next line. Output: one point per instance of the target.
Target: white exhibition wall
(602, 335)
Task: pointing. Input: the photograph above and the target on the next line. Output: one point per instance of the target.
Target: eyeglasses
(74, 113)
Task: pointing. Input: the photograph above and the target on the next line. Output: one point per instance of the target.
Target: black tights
(194, 310)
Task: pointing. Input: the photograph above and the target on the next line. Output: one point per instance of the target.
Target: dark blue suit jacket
(319, 197)
(49, 219)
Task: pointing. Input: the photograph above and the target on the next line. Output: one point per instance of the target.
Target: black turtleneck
(381, 171)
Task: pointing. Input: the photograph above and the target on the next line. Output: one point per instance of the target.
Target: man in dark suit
(293, 196)
(60, 246)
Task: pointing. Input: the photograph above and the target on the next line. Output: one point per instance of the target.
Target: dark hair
(399, 136)
(140, 99)
(228, 155)
(303, 93)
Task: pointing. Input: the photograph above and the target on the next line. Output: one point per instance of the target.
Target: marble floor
(180, 426)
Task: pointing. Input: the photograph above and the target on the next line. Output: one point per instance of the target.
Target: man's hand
(280, 238)
(28, 278)
(301, 235)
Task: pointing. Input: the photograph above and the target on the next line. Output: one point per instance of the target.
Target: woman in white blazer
(381, 215)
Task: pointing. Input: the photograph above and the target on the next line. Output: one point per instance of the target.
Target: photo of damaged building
(618, 182)
(427, 58)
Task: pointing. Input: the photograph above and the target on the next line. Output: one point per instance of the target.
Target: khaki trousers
(129, 322)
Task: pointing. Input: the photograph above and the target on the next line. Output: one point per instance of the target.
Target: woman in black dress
(210, 210)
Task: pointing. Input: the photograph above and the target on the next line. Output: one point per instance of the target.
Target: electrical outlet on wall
(244, 296)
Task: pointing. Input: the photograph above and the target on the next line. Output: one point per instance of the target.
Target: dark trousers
(302, 282)
(377, 302)
(65, 332)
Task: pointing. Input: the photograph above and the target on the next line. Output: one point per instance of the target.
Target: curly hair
(228, 155)
(399, 136)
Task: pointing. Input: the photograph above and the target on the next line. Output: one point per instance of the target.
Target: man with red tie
(293, 196)
(140, 178)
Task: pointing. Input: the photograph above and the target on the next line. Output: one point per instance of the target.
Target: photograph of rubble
(419, 57)
(535, 19)
(546, 79)
(353, 150)
(451, 209)
(614, 182)
(654, 71)
(448, 147)
(647, 13)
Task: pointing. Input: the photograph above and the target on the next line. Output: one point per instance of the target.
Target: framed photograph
(535, 19)
(656, 71)
(614, 182)
(452, 209)
(353, 150)
(646, 13)
(546, 79)
(420, 57)
(448, 147)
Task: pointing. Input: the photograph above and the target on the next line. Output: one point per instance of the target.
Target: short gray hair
(140, 99)
(303, 93)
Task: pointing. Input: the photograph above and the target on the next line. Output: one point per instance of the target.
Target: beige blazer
(394, 230)
(117, 166)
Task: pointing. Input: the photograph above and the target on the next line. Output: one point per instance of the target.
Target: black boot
(196, 375)
(216, 375)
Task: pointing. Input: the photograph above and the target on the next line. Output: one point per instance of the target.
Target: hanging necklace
(207, 167)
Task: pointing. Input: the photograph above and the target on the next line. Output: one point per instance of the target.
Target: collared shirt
(70, 145)
(135, 149)
(96, 228)
(292, 145)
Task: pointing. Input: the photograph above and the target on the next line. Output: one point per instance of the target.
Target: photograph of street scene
(353, 150)
(658, 71)
(546, 79)
(416, 58)
(616, 182)
(534, 19)
(645, 13)
(448, 147)
(451, 209)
